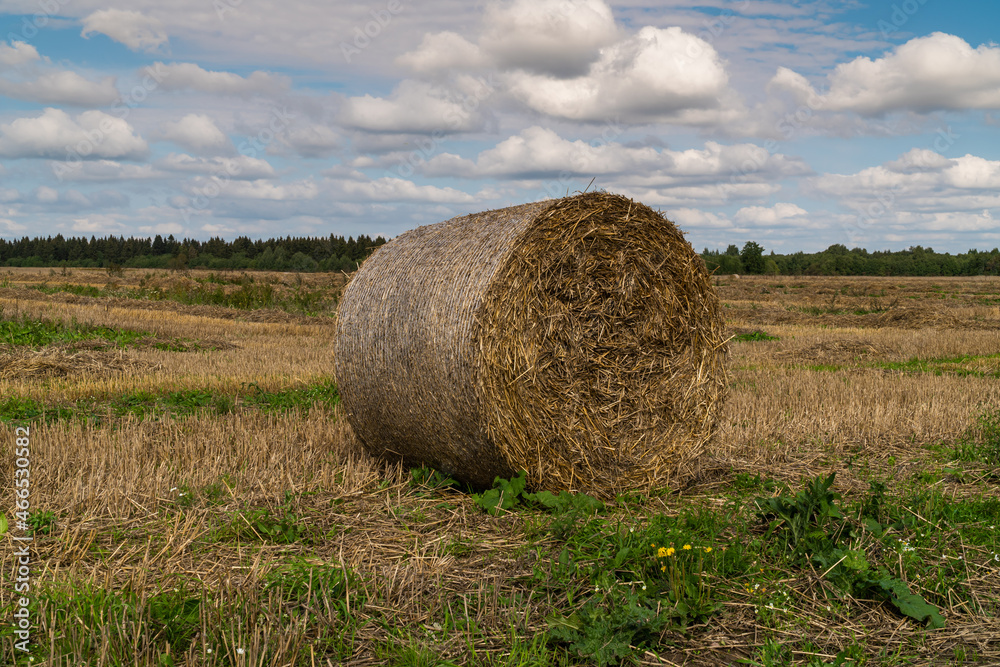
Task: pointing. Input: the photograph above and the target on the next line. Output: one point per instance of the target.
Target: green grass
(175, 404)
(616, 583)
(754, 336)
(982, 443)
(942, 365)
(935, 366)
(22, 331)
(247, 295)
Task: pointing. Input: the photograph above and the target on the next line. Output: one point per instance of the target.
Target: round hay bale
(579, 339)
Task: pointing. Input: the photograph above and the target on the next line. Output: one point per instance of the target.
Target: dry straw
(579, 339)
(55, 362)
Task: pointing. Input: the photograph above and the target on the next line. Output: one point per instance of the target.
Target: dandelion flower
(708, 550)
(663, 569)
(671, 551)
(662, 553)
(687, 547)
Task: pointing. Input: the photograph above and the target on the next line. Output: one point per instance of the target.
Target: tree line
(838, 260)
(337, 253)
(332, 253)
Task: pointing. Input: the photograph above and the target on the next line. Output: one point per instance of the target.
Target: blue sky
(794, 124)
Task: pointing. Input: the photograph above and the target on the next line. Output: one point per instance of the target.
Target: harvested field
(203, 502)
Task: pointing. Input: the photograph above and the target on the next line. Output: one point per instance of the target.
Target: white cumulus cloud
(656, 74)
(189, 76)
(917, 193)
(560, 38)
(196, 132)
(62, 88)
(311, 140)
(443, 51)
(54, 134)
(538, 152)
(932, 73)
(414, 107)
(241, 167)
(398, 189)
(17, 53)
(107, 170)
(8, 227)
(782, 213)
(260, 189)
(693, 218)
(133, 29)
(918, 160)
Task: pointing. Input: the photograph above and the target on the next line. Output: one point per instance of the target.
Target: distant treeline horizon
(339, 253)
(331, 253)
(838, 260)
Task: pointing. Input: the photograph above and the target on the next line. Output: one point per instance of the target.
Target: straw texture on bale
(579, 339)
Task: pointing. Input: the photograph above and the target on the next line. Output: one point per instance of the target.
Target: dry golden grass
(273, 355)
(815, 400)
(18, 276)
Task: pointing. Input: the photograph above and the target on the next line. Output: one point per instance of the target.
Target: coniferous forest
(337, 253)
(332, 253)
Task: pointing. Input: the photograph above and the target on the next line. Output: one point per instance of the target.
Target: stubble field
(196, 499)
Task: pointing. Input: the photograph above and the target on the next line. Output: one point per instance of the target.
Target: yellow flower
(662, 553)
(671, 551)
(708, 550)
(687, 547)
(663, 569)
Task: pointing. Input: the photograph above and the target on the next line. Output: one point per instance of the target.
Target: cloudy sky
(794, 124)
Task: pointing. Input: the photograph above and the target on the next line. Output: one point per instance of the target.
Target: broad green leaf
(911, 604)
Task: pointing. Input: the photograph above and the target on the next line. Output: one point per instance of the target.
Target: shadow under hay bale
(578, 339)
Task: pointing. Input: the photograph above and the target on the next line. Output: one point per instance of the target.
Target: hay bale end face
(579, 339)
